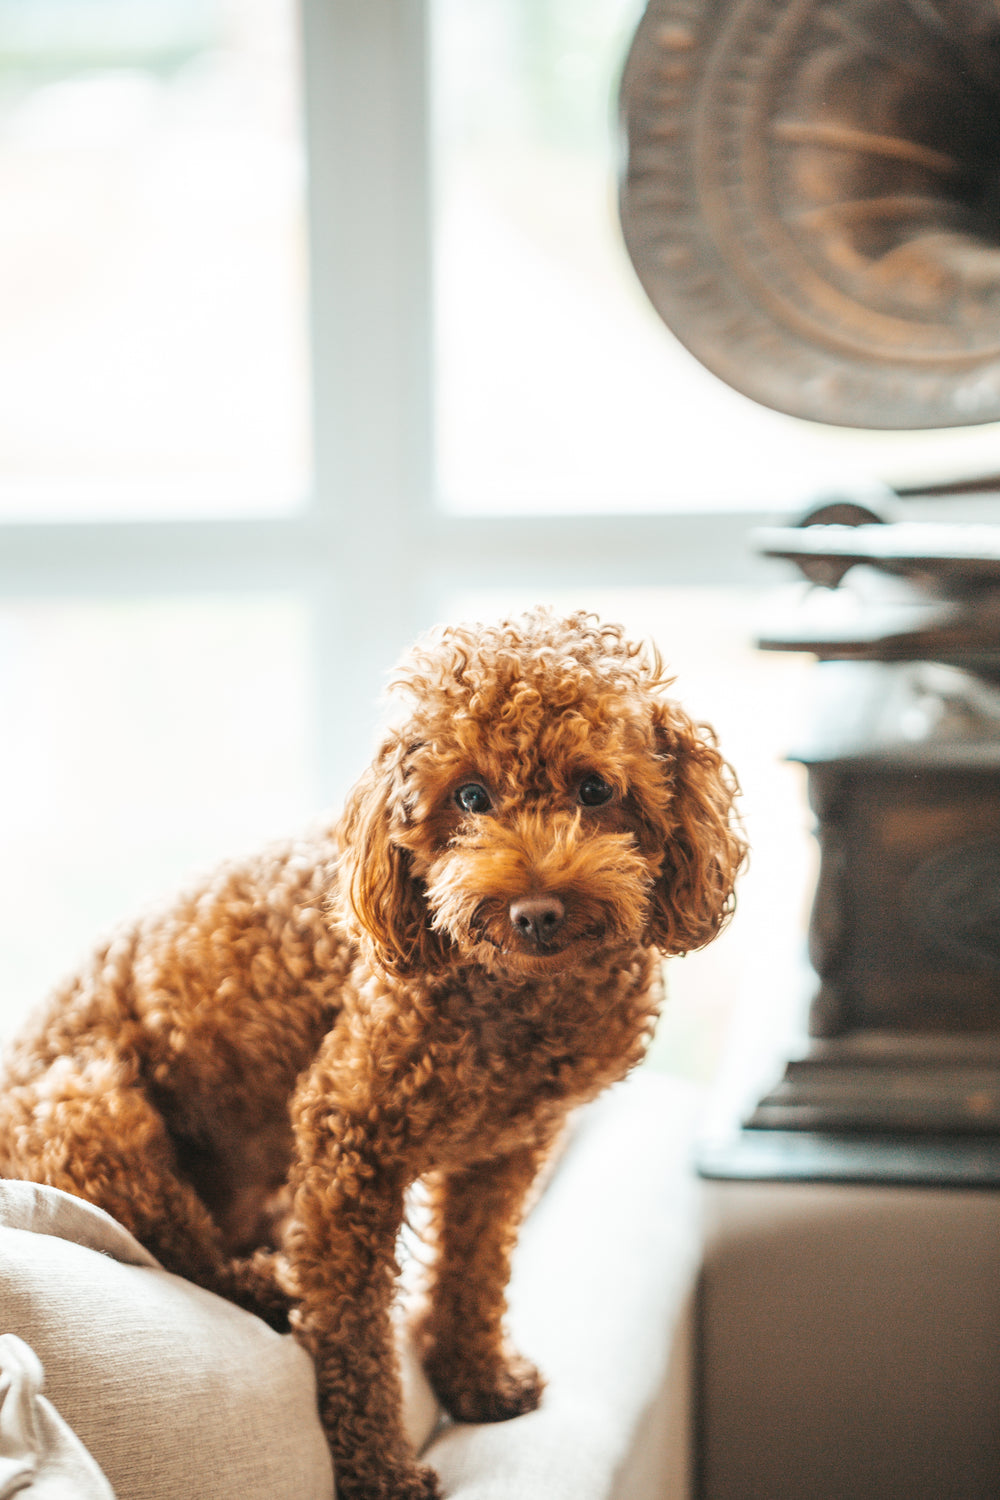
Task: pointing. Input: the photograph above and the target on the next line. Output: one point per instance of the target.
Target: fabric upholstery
(118, 1379)
(601, 1298)
(173, 1391)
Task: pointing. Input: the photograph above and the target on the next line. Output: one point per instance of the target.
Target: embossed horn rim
(811, 199)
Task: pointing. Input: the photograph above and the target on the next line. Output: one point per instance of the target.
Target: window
(152, 274)
(317, 328)
(154, 646)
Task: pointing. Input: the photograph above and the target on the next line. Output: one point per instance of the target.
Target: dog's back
(167, 1062)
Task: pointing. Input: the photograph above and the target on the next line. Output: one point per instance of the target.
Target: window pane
(558, 388)
(141, 742)
(152, 345)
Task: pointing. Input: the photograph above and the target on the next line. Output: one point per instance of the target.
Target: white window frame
(371, 552)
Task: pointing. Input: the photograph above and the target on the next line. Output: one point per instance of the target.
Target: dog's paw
(254, 1286)
(510, 1391)
(409, 1482)
(418, 1483)
(275, 1311)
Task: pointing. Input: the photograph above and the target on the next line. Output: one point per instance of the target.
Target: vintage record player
(811, 199)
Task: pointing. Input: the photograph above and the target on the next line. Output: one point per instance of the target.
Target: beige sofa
(117, 1379)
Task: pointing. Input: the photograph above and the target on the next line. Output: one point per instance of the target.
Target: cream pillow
(165, 1388)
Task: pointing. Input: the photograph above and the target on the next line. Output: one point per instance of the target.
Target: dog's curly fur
(422, 992)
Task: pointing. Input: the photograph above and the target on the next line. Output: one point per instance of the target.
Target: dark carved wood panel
(919, 953)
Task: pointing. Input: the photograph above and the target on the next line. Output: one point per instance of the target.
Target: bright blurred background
(316, 327)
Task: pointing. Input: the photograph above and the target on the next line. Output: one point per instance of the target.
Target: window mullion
(367, 143)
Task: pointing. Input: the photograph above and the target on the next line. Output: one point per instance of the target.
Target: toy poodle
(252, 1078)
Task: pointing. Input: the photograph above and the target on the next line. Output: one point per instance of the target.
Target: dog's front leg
(342, 1265)
(477, 1212)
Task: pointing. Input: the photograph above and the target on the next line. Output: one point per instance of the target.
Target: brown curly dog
(423, 992)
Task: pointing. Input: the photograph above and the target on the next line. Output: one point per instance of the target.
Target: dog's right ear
(383, 902)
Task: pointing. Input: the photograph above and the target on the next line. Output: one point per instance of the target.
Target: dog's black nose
(537, 918)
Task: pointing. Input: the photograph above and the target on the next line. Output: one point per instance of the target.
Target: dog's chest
(494, 1065)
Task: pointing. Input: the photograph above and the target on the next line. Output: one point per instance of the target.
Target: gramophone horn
(811, 199)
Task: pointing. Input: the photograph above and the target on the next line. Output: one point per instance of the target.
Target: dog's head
(542, 803)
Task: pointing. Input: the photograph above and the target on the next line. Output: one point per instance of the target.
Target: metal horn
(811, 199)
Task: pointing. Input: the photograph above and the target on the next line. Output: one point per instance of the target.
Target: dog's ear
(698, 836)
(381, 899)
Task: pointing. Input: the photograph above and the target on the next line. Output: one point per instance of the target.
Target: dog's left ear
(382, 900)
(698, 834)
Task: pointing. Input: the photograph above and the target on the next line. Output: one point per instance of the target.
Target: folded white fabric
(38, 1451)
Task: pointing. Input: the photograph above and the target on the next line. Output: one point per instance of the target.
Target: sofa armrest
(601, 1297)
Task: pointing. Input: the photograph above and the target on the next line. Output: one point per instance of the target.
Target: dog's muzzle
(537, 920)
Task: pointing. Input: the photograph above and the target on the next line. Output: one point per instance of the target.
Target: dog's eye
(473, 798)
(594, 791)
